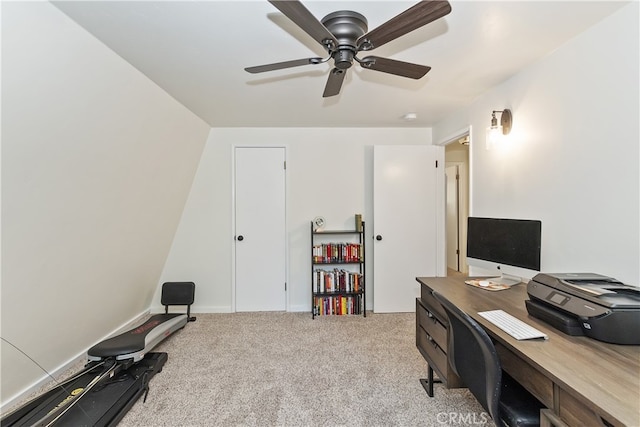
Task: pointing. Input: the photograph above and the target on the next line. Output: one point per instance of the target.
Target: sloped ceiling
(197, 52)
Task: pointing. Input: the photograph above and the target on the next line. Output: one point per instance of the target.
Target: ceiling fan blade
(415, 17)
(334, 83)
(301, 16)
(281, 65)
(392, 66)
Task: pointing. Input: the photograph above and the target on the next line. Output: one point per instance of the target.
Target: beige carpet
(285, 369)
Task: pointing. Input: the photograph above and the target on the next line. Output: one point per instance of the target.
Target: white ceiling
(197, 52)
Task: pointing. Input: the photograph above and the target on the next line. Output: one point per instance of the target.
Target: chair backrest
(473, 357)
(178, 293)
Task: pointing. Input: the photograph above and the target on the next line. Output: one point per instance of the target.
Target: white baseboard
(196, 309)
(206, 309)
(56, 373)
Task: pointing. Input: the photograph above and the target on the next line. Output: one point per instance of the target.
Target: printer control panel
(558, 298)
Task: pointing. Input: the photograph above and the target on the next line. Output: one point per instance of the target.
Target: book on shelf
(337, 252)
(337, 305)
(336, 280)
(358, 218)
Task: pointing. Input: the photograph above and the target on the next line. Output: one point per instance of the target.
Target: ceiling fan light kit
(344, 34)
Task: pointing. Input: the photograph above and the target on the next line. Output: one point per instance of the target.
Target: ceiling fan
(344, 34)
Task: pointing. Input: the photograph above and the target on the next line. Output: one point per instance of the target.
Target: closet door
(260, 232)
(404, 223)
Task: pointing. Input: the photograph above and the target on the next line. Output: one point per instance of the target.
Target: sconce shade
(506, 121)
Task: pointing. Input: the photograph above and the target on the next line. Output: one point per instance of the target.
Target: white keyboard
(513, 326)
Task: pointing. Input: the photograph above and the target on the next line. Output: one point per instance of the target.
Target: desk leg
(428, 382)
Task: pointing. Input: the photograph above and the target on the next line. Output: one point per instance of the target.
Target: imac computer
(508, 247)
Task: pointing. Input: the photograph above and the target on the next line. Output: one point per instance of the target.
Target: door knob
(378, 237)
(240, 238)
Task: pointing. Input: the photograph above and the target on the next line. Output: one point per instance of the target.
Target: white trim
(470, 173)
(287, 294)
(233, 227)
(195, 309)
(441, 237)
(454, 136)
(300, 308)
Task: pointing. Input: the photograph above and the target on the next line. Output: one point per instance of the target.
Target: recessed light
(409, 117)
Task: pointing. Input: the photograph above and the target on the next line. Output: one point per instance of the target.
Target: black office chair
(473, 357)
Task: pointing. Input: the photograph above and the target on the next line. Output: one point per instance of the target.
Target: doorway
(457, 203)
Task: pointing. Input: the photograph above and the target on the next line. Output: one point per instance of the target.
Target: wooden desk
(584, 381)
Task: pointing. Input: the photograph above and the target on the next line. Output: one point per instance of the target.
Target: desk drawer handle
(432, 341)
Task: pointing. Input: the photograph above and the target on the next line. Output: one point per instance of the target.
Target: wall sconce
(495, 133)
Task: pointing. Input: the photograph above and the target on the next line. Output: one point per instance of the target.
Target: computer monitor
(509, 247)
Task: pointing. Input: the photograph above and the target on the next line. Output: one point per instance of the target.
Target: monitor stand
(505, 279)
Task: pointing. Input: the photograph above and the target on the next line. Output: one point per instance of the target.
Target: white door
(404, 223)
(260, 234)
(452, 217)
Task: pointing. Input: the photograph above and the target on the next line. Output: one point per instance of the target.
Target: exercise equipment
(118, 372)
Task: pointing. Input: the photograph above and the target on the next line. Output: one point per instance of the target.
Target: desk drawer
(576, 413)
(435, 356)
(429, 301)
(431, 325)
(431, 340)
(530, 378)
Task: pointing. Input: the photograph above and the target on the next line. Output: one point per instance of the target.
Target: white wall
(97, 162)
(573, 154)
(329, 173)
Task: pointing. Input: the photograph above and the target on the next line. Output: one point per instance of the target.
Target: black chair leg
(427, 383)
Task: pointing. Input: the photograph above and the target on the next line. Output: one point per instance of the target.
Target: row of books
(337, 280)
(337, 252)
(338, 305)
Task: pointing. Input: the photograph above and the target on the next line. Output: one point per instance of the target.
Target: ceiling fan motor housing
(346, 26)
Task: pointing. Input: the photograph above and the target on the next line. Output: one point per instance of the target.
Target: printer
(587, 304)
